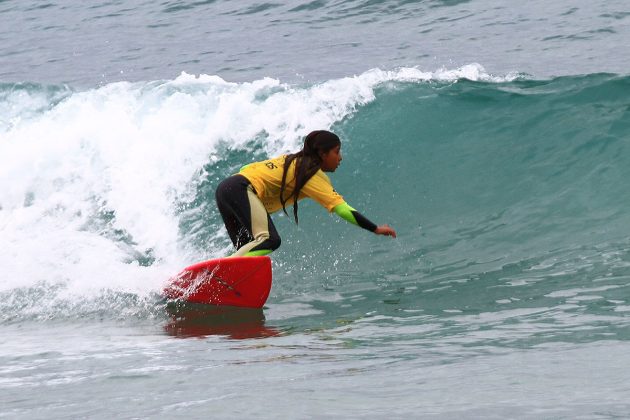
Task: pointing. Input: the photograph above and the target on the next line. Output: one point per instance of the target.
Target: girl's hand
(385, 230)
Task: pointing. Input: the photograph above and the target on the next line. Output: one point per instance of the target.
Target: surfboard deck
(233, 281)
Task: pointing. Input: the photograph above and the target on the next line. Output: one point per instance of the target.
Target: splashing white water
(90, 184)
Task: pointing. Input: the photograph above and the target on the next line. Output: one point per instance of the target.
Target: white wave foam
(474, 72)
(91, 182)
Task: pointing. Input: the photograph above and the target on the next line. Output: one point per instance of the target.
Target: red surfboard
(233, 281)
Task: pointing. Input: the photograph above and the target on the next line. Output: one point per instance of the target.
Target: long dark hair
(307, 162)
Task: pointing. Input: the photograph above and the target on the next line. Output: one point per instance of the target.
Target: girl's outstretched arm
(351, 215)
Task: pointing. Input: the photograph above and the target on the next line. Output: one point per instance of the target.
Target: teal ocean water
(495, 140)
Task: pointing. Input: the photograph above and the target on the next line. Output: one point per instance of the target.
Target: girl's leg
(249, 225)
(265, 238)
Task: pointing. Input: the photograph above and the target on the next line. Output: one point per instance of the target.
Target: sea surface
(493, 136)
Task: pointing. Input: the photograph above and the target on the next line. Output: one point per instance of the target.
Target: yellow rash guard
(266, 179)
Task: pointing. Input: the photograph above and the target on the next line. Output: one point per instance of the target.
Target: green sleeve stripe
(351, 215)
(345, 212)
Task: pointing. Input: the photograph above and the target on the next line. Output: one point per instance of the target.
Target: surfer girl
(247, 199)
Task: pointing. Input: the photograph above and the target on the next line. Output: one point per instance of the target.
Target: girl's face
(331, 159)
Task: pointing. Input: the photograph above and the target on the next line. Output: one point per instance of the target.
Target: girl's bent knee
(274, 243)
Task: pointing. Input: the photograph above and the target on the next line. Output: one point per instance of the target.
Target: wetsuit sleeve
(351, 215)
